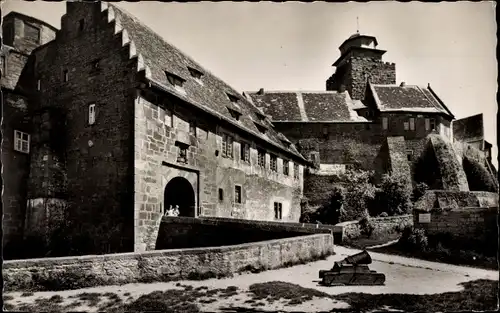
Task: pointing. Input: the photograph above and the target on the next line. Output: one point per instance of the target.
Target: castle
(107, 124)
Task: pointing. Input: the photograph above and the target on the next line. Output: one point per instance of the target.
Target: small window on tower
(38, 85)
(65, 75)
(91, 114)
(81, 25)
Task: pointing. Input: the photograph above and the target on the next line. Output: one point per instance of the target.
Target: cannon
(352, 270)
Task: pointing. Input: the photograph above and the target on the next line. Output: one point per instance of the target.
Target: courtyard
(411, 285)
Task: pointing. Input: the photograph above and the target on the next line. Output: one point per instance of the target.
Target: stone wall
(455, 199)
(351, 230)
(15, 170)
(166, 265)
(99, 157)
(187, 232)
(450, 168)
(467, 227)
(212, 176)
(398, 158)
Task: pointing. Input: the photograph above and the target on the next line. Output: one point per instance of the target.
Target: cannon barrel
(356, 259)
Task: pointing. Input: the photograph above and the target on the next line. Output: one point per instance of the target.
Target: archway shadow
(179, 191)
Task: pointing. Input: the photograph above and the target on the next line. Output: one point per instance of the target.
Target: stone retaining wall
(352, 230)
(162, 265)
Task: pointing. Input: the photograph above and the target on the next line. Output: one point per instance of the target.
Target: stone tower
(359, 61)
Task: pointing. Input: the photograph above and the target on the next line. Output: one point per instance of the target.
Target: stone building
(363, 120)
(109, 125)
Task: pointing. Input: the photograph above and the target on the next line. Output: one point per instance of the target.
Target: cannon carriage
(352, 270)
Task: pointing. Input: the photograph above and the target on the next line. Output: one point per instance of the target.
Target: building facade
(120, 126)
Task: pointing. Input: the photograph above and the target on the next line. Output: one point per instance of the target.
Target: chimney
(261, 91)
(402, 84)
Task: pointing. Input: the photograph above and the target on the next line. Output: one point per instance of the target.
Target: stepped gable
(407, 98)
(307, 106)
(209, 93)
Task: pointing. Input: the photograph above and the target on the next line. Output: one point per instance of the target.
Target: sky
(291, 46)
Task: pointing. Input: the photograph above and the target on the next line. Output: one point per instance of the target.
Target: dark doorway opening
(179, 191)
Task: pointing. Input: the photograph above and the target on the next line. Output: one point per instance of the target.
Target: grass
(478, 295)
(456, 257)
(364, 242)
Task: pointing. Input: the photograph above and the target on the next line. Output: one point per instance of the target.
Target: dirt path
(403, 276)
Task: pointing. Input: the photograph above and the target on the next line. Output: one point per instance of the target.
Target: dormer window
(262, 128)
(233, 98)
(234, 113)
(175, 80)
(260, 115)
(195, 73)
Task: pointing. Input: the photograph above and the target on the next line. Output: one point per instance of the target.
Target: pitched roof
(468, 128)
(208, 92)
(308, 106)
(408, 98)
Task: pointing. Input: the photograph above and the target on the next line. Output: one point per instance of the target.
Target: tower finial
(357, 24)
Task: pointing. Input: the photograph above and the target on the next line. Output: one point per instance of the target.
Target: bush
(478, 177)
(331, 212)
(419, 191)
(393, 197)
(366, 226)
(414, 239)
(359, 195)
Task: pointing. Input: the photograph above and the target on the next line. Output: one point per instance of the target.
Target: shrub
(478, 177)
(331, 212)
(419, 191)
(366, 226)
(414, 239)
(393, 197)
(359, 195)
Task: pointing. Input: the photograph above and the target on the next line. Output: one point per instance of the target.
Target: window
(261, 128)
(195, 73)
(274, 163)
(221, 195)
(406, 125)
(286, 168)
(65, 75)
(227, 146)
(433, 124)
(412, 123)
(278, 210)
(38, 85)
(21, 141)
(245, 152)
(261, 158)
(234, 114)
(232, 98)
(237, 194)
(175, 80)
(182, 152)
(385, 123)
(192, 128)
(81, 25)
(409, 154)
(156, 113)
(295, 170)
(427, 124)
(169, 118)
(91, 114)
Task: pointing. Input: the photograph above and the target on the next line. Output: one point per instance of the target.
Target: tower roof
(357, 39)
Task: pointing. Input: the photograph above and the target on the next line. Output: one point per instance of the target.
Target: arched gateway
(179, 191)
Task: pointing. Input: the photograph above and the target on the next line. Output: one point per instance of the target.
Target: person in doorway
(175, 211)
